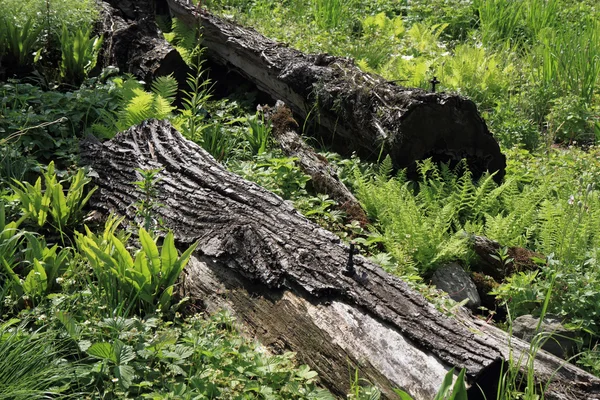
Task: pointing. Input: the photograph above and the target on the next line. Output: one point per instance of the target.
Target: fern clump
(431, 218)
(137, 104)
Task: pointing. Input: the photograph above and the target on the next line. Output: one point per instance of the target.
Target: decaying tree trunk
(287, 280)
(364, 112)
(324, 178)
(133, 42)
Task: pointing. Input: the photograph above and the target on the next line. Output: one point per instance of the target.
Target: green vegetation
(532, 66)
(102, 310)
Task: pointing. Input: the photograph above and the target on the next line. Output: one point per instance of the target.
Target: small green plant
(146, 207)
(20, 41)
(503, 257)
(447, 391)
(278, 175)
(79, 54)
(49, 204)
(36, 275)
(258, 134)
(144, 282)
(194, 102)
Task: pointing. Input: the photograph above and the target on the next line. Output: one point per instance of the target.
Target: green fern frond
(184, 35)
(162, 108)
(138, 109)
(166, 87)
(127, 86)
(386, 167)
(103, 131)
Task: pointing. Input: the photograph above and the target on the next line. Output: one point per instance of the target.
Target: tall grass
(499, 20)
(32, 365)
(569, 59)
(330, 14)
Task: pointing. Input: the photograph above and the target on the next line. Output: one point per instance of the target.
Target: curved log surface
(284, 277)
(367, 111)
(254, 232)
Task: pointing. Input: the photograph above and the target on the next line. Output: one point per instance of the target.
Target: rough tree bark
(364, 112)
(133, 42)
(283, 277)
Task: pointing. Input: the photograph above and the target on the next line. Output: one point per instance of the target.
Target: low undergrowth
(104, 311)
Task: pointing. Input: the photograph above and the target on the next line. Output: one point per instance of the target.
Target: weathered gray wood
(283, 277)
(363, 112)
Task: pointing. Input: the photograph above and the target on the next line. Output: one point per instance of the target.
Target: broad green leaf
(151, 251)
(141, 266)
(43, 209)
(9, 323)
(459, 392)
(305, 373)
(180, 264)
(165, 298)
(126, 261)
(60, 211)
(36, 281)
(12, 275)
(446, 384)
(125, 374)
(103, 351)
(70, 325)
(104, 261)
(402, 394)
(168, 255)
(123, 352)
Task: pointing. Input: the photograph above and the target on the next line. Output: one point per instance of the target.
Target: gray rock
(453, 279)
(561, 342)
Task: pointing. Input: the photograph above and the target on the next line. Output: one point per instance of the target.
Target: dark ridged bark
(283, 276)
(362, 112)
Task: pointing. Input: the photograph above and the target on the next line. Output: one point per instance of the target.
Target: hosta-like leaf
(124, 258)
(151, 250)
(36, 281)
(168, 255)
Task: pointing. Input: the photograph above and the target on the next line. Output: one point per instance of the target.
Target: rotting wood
(324, 178)
(133, 42)
(282, 277)
(364, 112)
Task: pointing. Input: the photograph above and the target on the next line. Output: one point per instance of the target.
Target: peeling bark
(282, 276)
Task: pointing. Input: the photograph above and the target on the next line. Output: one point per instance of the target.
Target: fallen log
(362, 112)
(133, 42)
(288, 282)
(324, 178)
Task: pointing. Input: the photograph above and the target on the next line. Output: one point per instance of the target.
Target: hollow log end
(448, 129)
